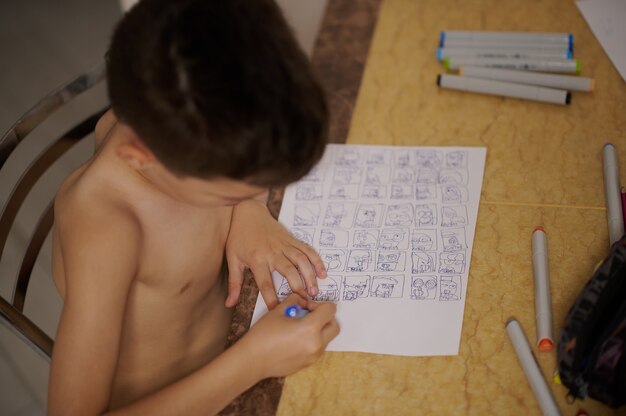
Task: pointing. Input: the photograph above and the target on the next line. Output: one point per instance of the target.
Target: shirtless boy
(212, 103)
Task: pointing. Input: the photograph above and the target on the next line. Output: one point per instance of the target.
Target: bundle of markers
(512, 64)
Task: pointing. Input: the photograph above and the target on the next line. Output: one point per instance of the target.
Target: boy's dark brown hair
(218, 88)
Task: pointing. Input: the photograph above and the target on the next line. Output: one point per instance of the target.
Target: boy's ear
(134, 152)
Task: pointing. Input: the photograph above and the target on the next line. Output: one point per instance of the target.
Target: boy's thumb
(235, 281)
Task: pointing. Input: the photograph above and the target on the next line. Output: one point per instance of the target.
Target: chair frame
(12, 310)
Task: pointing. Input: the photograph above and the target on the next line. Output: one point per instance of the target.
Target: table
(544, 167)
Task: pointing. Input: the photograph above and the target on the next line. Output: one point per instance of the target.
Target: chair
(12, 309)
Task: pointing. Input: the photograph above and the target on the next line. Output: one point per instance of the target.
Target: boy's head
(218, 89)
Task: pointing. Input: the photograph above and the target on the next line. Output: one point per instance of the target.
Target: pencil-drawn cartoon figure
(374, 191)
(393, 239)
(365, 239)
(387, 286)
(391, 261)
(333, 238)
(303, 234)
(399, 215)
(453, 239)
(453, 176)
(450, 288)
(401, 191)
(404, 174)
(456, 159)
(348, 157)
(402, 157)
(369, 215)
(306, 214)
(451, 263)
(428, 159)
(427, 176)
(360, 261)
(334, 260)
(340, 191)
(423, 287)
(425, 192)
(308, 191)
(423, 262)
(378, 157)
(453, 194)
(377, 175)
(425, 215)
(347, 175)
(284, 289)
(424, 240)
(453, 216)
(339, 214)
(328, 289)
(355, 287)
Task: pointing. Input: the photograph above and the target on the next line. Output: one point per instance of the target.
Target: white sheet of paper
(607, 19)
(394, 227)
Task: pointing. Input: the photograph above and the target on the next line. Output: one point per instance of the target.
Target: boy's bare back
(171, 295)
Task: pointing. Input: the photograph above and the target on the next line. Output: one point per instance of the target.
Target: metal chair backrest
(12, 309)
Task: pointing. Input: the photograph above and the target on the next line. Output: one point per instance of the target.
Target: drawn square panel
(424, 240)
(454, 194)
(303, 234)
(339, 214)
(394, 239)
(328, 289)
(377, 156)
(427, 176)
(454, 216)
(423, 287)
(399, 215)
(334, 260)
(423, 262)
(342, 191)
(391, 261)
(387, 286)
(450, 263)
(360, 261)
(283, 289)
(316, 174)
(456, 159)
(367, 239)
(402, 157)
(355, 287)
(425, 215)
(306, 214)
(453, 176)
(377, 175)
(309, 191)
(403, 174)
(426, 192)
(450, 288)
(453, 239)
(349, 156)
(428, 159)
(333, 238)
(374, 191)
(401, 191)
(369, 215)
(347, 175)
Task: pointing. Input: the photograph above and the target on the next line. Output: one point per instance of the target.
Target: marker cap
(545, 344)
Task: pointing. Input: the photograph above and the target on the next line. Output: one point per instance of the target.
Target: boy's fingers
(235, 281)
(263, 279)
(322, 312)
(287, 269)
(330, 331)
(305, 268)
(314, 259)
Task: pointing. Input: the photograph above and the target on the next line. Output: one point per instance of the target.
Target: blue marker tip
(569, 54)
(295, 311)
(439, 54)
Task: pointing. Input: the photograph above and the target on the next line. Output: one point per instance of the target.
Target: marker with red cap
(543, 308)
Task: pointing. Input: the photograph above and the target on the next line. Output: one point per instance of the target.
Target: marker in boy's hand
(291, 344)
(256, 241)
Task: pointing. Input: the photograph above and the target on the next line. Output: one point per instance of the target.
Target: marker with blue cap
(296, 311)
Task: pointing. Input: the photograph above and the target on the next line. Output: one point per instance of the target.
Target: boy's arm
(258, 242)
(100, 262)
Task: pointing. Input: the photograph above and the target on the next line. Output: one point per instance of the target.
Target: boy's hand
(257, 241)
(284, 345)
